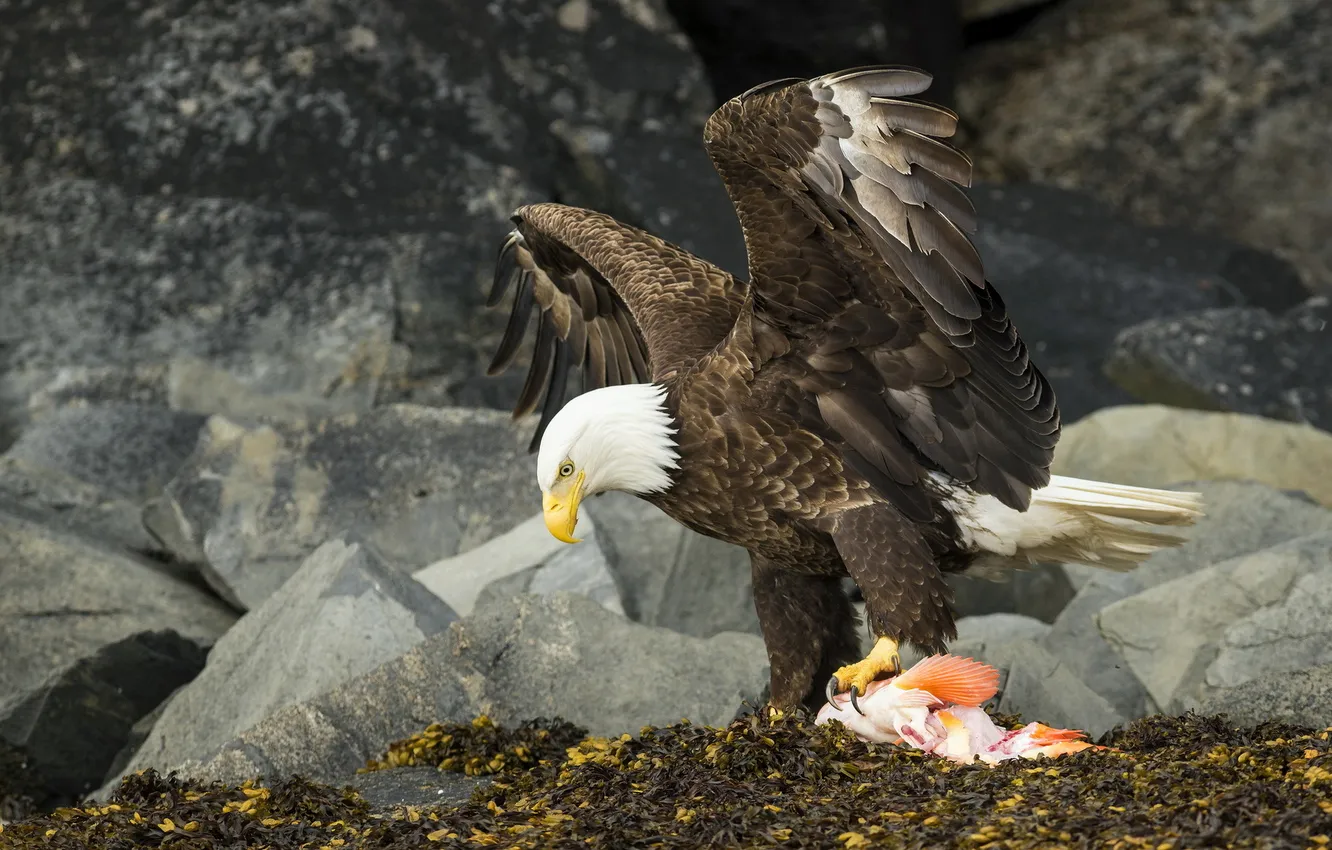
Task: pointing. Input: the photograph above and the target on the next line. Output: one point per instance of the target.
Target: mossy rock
(1190, 781)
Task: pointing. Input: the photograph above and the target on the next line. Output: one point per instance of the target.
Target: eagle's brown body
(814, 402)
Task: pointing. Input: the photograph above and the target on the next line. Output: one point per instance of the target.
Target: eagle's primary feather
(862, 406)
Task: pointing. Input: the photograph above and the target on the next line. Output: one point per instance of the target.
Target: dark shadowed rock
(1303, 698)
(91, 639)
(744, 44)
(64, 597)
(342, 614)
(1210, 115)
(1040, 592)
(514, 660)
(980, 10)
(416, 483)
(1073, 274)
(1245, 360)
(21, 789)
(73, 724)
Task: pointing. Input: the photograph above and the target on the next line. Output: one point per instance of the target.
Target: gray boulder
(94, 467)
(1240, 518)
(515, 659)
(74, 724)
(416, 483)
(342, 614)
(1038, 685)
(1170, 634)
(1177, 114)
(90, 640)
(1245, 360)
(1301, 698)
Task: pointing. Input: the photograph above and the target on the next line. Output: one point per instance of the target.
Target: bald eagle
(862, 406)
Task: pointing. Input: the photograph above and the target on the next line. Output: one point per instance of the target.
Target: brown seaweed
(1171, 782)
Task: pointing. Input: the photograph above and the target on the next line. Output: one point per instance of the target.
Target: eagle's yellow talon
(883, 658)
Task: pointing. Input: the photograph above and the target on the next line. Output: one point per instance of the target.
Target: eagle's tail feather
(1073, 520)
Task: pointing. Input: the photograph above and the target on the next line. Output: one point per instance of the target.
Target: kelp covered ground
(782, 782)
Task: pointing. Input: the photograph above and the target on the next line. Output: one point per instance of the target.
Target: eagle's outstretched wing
(857, 233)
(621, 304)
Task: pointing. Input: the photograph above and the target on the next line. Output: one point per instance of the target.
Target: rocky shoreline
(262, 515)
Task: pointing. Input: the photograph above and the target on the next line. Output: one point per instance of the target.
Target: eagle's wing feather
(858, 238)
(620, 304)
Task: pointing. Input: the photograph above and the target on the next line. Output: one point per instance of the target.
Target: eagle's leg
(809, 626)
(906, 596)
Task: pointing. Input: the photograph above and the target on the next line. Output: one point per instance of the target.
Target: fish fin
(952, 679)
(914, 698)
(1042, 734)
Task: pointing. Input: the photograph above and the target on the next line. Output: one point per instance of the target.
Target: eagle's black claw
(855, 704)
(831, 690)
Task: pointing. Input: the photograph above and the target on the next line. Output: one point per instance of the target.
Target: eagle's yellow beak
(562, 513)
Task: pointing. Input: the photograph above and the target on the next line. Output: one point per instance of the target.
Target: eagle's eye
(566, 469)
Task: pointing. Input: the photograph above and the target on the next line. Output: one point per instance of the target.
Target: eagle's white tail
(1073, 520)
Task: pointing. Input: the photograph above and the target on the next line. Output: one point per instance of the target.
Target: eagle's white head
(613, 438)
